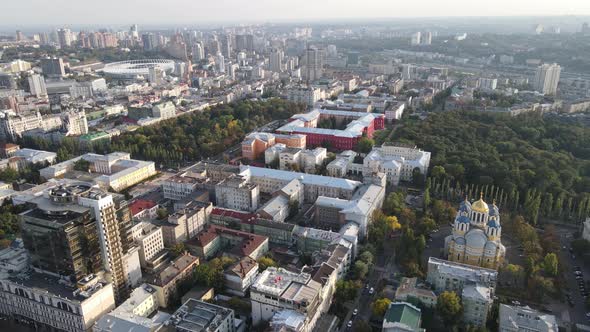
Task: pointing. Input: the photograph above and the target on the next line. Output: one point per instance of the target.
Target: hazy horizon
(68, 12)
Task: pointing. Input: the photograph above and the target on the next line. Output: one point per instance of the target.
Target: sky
(63, 12)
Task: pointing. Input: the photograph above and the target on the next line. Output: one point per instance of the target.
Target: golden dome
(480, 206)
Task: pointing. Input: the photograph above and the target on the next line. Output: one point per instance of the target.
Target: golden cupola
(480, 206)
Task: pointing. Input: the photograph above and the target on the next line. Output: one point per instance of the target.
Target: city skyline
(26, 13)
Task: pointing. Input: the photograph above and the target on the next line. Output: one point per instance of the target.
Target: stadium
(133, 68)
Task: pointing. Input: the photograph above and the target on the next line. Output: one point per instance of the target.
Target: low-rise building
(117, 170)
(240, 276)
(408, 290)
(150, 242)
(397, 162)
(333, 213)
(166, 281)
(135, 314)
(55, 303)
(231, 242)
(143, 209)
(519, 319)
(277, 289)
(402, 317)
(340, 166)
(271, 180)
(237, 193)
(477, 302)
(199, 316)
(475, 285)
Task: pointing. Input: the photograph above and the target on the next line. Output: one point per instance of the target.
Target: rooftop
(468, 272)
(140, 205)
(404, 313)
(56, 286)
(175, 268)
(275, 281)
(306, 179)
(250, 242)
(525, 318)
(197, 316)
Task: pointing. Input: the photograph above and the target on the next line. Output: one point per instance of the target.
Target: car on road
(355, 312)
(578, 273)
(371, 291)
(349, 325)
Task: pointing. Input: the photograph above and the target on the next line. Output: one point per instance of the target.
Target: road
(576, 314)
(384, 266)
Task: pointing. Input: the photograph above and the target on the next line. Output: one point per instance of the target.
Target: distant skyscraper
(37, 85)
(407, 71)
(134, 32)
(416, 38)
(426, 38)
(245, 42)
(276, 61)
(64, 37)
(149, 41)
(220, 63)
(313, 64)
(585, 28)
(226, 42)
(547, 79)
(19, 36)
(198, 52)
(53, 67)
(44, 38)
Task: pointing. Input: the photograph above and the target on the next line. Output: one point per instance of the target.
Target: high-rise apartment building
(19, 36)
(276, 61)
(64, 37)
(245, 42)
(220, 63)
(53, 67)
(314, 64)
(149, 41)
(198, 52)
(547, 78)
(111, 241)
(37, 85)
(416, 38)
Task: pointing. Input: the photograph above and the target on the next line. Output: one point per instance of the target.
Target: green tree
(266, 262)
(449, 307)
(550, 264)
(178, 249)
(380, 306)
(366, 257)
(365, 145)
(345, 291)
(438, 172)
(162, 213)
(360, 270)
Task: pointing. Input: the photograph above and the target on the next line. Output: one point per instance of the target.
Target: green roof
(94, 136)
(404, 313)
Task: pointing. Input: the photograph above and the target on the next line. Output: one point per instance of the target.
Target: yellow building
(476, 237)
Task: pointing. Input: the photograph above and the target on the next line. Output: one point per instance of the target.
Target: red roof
(140, 205)
(250, 242)
(233, 214)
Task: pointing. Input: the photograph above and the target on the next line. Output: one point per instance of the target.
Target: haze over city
(183, 11)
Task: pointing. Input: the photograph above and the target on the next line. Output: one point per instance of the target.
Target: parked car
(349, 325)
(371, 291)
